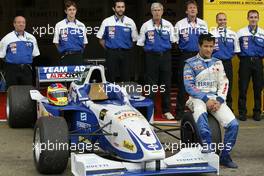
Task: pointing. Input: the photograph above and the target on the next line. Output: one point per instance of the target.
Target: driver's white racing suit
(205, 79)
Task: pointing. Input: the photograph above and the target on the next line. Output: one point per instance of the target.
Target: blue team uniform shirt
(156, 39)
(187, 36)
(118, 33)
(70, 36)
(252, 45)
(19, 49)
(226, 43)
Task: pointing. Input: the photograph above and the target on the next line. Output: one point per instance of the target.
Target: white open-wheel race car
(105, 117)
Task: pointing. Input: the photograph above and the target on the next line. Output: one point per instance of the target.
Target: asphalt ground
(16, 158)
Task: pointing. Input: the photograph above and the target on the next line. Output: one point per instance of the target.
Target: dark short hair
(206, 37)
(190, 2)
(116, 1)
(69, 3)
(252, 11)
(14, 21)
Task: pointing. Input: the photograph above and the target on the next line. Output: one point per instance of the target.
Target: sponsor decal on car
(83, 125)
(124, 114)
(60, 73)
(128, 145)
(102, 114)
(84, 140)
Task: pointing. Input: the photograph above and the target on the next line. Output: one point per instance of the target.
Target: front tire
(51, 145)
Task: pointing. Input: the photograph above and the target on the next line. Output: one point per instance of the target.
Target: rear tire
(51, 132)
(189, 130)
(216, 131)
(20, 108)
(190, 134)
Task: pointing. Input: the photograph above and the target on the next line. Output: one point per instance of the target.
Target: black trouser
(18, 74)
(180, 104)
(229, 74)
(250, 67)
(158, 73)
(71, 59)
(118, 64)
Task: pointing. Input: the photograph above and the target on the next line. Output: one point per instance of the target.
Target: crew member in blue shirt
(116, 35)
(70, 37)
(188, 31)
(157, 36)
(226, 45)
(17, 49)
(251, 40)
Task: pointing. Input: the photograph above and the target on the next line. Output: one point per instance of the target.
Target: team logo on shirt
(13, 48)
(185, 34)
(111, 31)
(151, 36)
(165, 27)
(245, 42)
(128, 25)
(198, 67)
(229, 40)
(260, 40)
(64, 34)
(29, 39)
(126, 30)
(29, 44)
(165, 32)
(216, 44)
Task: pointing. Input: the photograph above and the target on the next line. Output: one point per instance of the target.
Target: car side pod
(187, 161)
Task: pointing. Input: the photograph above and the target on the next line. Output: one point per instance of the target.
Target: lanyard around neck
(20, 37)
(223, 35)
(253, 31)
(158, 29)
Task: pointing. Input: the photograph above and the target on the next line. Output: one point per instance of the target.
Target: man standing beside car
(187, 33)
(157, 36)
(116, 35)
(18, 48)
(226, 45)
(70, 37)
(251, 40)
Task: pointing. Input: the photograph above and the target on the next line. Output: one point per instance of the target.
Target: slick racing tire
(190, 134)
(51, 145)
(20, 108)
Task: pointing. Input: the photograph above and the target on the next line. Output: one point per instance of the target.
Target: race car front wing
(187, 161)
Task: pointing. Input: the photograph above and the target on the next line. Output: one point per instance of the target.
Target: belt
(252, 58)
(22, 66)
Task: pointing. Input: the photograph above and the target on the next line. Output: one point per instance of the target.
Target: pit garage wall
(236, 11)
